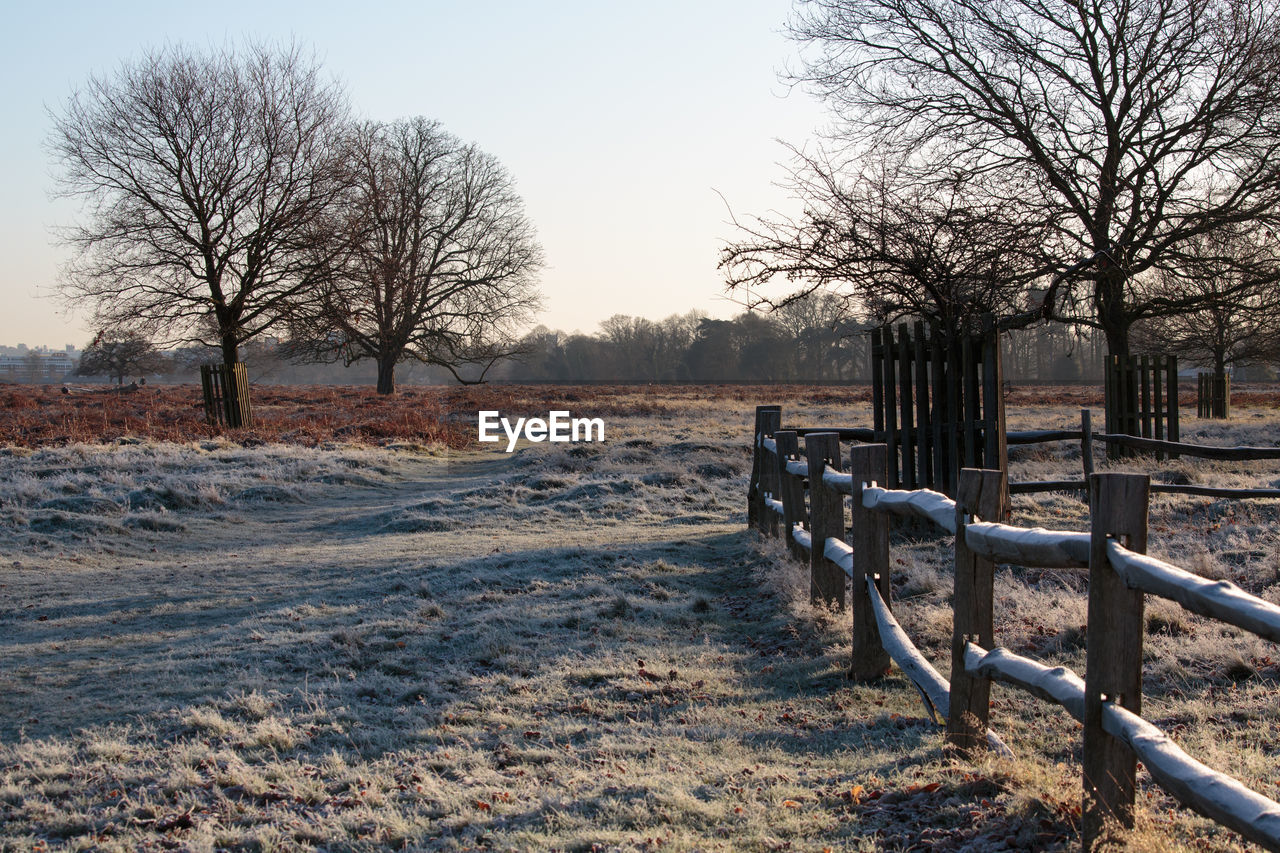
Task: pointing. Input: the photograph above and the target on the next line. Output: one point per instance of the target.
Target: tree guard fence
(226, 395)
(1141, 394)
(1213, 395)
(802, 498)
(938, 403)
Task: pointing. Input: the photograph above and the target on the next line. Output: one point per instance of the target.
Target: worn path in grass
(103, 627)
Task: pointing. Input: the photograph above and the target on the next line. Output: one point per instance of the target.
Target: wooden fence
(226, 395)
(850, 567)
(1085, 436)
(938, 403)
(1213, 396)
(1141, 394)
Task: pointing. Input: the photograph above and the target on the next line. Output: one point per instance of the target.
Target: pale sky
(620, 122)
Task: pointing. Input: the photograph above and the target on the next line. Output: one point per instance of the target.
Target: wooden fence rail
(1107, 700)
(1086, 437)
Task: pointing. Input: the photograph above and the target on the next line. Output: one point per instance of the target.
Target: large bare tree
(439, 258)
(204, 179)
(1234, 273)
(894, 242)
(1140, 124)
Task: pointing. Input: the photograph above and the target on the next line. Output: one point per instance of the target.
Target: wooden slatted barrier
(1108, 700)
(226, 395)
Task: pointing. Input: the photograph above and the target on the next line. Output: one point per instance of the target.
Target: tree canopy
(1124, 128)
(205, 179)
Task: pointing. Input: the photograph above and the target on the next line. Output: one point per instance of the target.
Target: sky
(635, 132)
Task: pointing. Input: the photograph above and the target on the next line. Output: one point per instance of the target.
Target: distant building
(37, 364)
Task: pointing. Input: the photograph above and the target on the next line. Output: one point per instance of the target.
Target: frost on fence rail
(769, 445)
(1221, 600)
(837, 481)
(802, 537)
(773, 504)
(932, 686)
(1213, 794)
(1056, 684)
(797, 468)
(923, 503)
(839, 552)
(1028, 546)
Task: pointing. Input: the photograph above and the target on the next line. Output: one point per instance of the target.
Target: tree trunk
(230, 349)
(1220, 367)
(386, 375)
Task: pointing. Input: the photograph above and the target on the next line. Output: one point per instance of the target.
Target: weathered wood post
(995, 453)
(826, 518)
(982, 494)
(768, 420)
(1113, 655)
(1086, 445)
(868, 464)
(791, 492)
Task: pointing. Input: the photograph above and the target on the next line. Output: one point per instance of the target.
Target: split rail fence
(800, 494)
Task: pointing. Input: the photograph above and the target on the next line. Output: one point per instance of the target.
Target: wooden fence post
(826, 518)
(791, 492)
(1113, 653)
(868, 463)
(1086, 445)
(982, 494)
(768, 419)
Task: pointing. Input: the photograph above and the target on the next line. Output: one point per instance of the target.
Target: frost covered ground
(205, 646)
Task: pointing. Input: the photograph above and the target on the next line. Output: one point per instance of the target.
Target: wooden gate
(939, 403)
(226, 395)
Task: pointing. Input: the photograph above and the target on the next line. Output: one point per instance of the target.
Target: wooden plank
(995, 452)
(877, 386)
(755, 497)
(937, 363)
(771, 422)
(890, 406)
(826, 519)
(1086, 442)
(924, 434)
(790, 491)
(980, 496)
(868, 464)
(1145, 398)
(968, 380)
(904, 401)
(954, 413)
(1175, 432)
(1113, 649)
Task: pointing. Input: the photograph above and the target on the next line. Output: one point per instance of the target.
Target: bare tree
(1235, 275)
(894, 243)
(439, 259)
(120, 354)
(204, 178)
(1140, 123)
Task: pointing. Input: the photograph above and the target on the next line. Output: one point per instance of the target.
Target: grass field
(350, 641)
